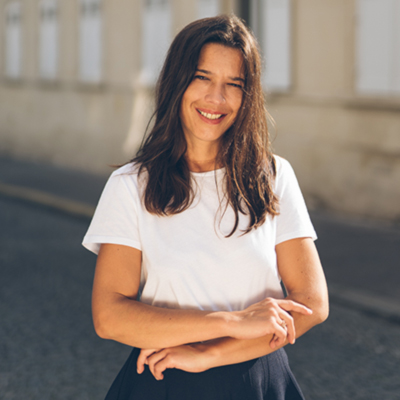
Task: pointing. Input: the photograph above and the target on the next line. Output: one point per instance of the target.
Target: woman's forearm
(199, 357)
(225, 351)
(140, 325)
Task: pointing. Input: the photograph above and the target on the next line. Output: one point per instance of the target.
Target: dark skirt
(267, 377)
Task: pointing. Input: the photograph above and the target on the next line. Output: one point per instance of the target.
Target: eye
(236, 85)
(200, 77)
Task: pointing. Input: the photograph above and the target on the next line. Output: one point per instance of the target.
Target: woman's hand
(269, 316)
(189, 358)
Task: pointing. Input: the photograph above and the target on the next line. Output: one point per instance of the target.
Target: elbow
(102, 325)
(317, 301)
(321, 314)
(101, 332)
(320, 309)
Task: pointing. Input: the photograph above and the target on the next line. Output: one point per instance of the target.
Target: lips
(210, 116)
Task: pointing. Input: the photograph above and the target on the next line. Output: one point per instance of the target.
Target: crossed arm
(198, 340)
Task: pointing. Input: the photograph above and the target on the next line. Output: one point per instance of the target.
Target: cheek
(187, 100)
(238, 104)
(236, 101)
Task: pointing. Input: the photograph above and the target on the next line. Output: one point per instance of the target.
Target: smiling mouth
(210, 116)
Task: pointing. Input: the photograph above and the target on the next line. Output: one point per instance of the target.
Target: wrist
(227, 322)
(209, 354)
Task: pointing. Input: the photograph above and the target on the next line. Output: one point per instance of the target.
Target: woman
(194, 235)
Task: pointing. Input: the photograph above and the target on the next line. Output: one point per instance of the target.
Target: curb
(380, 306)
(71, 207)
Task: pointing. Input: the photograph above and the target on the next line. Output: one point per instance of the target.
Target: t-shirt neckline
(218, 172)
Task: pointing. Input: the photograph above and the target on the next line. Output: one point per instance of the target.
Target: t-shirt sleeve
(293, 220)
(115, 220)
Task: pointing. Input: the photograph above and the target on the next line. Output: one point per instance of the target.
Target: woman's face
(211, 102)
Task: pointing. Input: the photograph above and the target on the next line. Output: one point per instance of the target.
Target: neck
(202, 158)
(201, 165)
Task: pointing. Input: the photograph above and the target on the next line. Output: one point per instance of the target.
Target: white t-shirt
(187, 262)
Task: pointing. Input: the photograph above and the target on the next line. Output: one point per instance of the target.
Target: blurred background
(77, 80)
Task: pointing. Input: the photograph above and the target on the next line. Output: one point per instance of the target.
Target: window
(207, 8)
(13, 46)
(90, 41)
(378, 47)
(156, 38)
(271, 23)
(48, 39)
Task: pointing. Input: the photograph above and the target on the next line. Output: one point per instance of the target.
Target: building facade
(77, 80)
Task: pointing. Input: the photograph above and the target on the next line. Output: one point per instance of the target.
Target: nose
(216, 94)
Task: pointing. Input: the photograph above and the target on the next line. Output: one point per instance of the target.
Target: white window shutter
(90, 44)
(396, 49)
(375, 43)
(13, 44)
(156, 38)
(207, 8)
(275, 28)
(48, 39)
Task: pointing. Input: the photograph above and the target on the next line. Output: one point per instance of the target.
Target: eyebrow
(236, 78)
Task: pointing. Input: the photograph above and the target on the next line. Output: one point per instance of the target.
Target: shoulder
(282, 165)
(125, 183)
(129, 175)
(129, 169)
(284, 171)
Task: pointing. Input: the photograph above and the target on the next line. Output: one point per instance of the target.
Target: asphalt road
(50, 351)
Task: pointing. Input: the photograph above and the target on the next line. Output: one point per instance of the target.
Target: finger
(142, 359)
(152, 362)
(279, 337)
(276, 342)
(140, 363)
(161, 366)
(287, 323)
(290, 305)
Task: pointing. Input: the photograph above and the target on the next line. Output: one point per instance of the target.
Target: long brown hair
(245, 147)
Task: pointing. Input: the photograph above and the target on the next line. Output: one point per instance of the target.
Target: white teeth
(210, 116)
